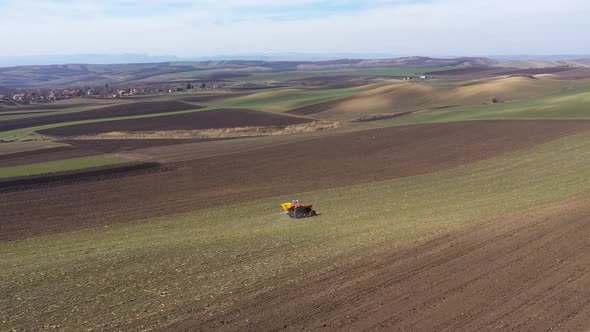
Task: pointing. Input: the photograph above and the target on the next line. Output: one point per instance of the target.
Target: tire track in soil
(526, 271)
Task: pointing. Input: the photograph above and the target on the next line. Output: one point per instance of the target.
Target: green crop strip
(59, 166)
(149, 274)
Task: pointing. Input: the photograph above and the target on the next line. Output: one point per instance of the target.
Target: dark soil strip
(209, 98)
(318, 108)
(326, 79)
(536, 71)
(498, 71)
(255, 87)
(5, 113)
(574, 74)
(220, 118)
(83, 148)
(78, 176)
(129, 109)
(48, 106)
(43, 155)
(377, 117)
(463, 71)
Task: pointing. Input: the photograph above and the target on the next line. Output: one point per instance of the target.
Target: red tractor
(296, 210)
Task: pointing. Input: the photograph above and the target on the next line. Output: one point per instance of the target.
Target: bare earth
(528, 271)
(326, 162)
(218, 118)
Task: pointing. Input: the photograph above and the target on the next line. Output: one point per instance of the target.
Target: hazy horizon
(206, 28)
(123, 58)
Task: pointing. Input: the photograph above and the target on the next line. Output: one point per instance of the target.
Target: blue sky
(214, 27)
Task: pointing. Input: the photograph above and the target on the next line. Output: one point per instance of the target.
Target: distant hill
(75, 75)
(140, 73)
(549, 57)
(536, 63)
(37, 60)
(405, 62)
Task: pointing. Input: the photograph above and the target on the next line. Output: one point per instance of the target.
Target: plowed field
(220, 118)
(332, 161)
(140, 108)
(527, 272)
(83, 148)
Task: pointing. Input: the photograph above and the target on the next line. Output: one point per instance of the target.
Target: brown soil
(465, 71)
(5, 113)
(536, 71)
(334, 82)
(74, 177)
(327, 79)
(219, 77)
(318, 108)
(384, 116)
(39, 156)
(139, 108)
(256, 87)
(529, 271)
(83, 148)
(209, 98)
(59, 105)
(574, 74)
(325, 162)
(220, 118)
(499, 71)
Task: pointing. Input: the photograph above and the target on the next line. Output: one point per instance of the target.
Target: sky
(188, 28)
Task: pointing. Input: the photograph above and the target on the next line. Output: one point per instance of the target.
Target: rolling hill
(410, 97)
(141, 73)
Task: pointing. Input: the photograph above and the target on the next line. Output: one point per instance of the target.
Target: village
(39, 96)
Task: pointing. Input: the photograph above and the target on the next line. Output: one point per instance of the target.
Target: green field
(59, 166)
(572, 104)
(138, 276)
(286, 99)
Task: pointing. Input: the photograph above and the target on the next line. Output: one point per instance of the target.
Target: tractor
(296, 210)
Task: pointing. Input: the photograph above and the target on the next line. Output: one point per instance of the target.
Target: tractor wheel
(312, 213)
(291, 213)
(299, 213)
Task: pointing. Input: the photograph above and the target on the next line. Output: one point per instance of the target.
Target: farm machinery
(296, 210)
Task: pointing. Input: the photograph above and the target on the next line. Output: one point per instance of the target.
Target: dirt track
(529, 271)
(219, 118)
(332, 161)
